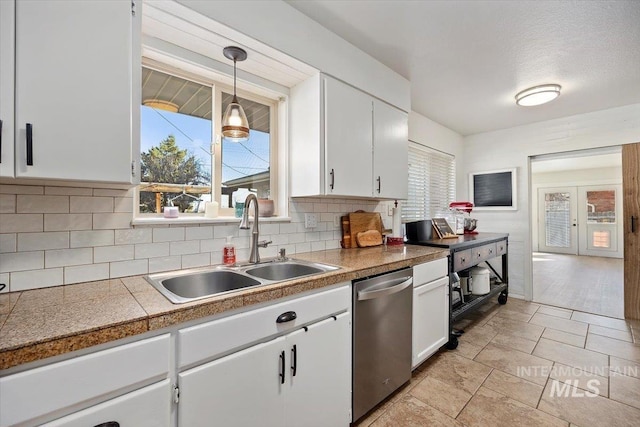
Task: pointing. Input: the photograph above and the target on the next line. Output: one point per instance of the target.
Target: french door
(558, 220)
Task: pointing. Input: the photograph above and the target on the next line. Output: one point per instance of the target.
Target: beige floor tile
(467, 349)
(520, 305)
(479, 335)
(516, 388)
(611, 333)
(614, 347)
(514, 327)
(555, 311)
(566, 354)
(442, 396)
(515, 342)
(459, 372)
(624, 367)
(413, 412)
(564, 337)
(489, 408)
(583, 380)
(514, 362)
(594, 319)
(566, 325)
(513, 315)
(573, 405)
(625, 389)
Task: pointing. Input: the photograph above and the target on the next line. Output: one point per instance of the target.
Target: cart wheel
(502, 299)
(453, 343)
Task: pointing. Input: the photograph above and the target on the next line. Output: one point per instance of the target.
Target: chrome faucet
(254, 257)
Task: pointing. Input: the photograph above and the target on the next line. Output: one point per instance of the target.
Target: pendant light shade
(235, 125)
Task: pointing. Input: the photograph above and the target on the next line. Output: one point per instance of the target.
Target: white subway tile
(42, 204)
(110, 221)
(212, 245)
(7, 203)
(86, 239)
(168, 234)
(269, 252)
(198, 233)
(129, 268)
(318, 246)
(67, 222)
(21, 261)
(123, 204)
(6, 281)
(24, 280)
(67, 257)
(269, 229)
(196, 260)
(185, 248)
(279, 239)
(327, 217)
(332, 244)
(21, 189)
(113, 253)
(111, 192)
(303, 247)
(327, 235)
(221, 231)
(86, 273)
(134, 235)
(290, 249)
(82, 204)
(151, 250)
(68, 191)
(21, 223)
(297, 238)
(320, 207)
(8, 242)
(169, 263)
(288, 228)
(39, 241)
(312, 236)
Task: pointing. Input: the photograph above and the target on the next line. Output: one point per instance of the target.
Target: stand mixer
(463, 208)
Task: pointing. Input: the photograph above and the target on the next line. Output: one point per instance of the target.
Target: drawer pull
(109, 424)
(282, 373)
(294, 360)
(287, 317)
(29, 144)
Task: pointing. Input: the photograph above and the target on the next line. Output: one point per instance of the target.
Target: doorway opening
(577, 240)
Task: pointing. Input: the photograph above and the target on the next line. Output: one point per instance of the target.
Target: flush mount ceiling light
(159, 104)
(235, 125)
(538, 95)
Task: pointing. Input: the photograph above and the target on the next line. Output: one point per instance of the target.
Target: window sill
(159, 220)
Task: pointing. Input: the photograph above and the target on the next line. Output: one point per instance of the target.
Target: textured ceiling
(467, 59)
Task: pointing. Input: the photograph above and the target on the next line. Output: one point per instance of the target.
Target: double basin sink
(189, 285)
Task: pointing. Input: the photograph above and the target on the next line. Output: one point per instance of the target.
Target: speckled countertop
(46, 322)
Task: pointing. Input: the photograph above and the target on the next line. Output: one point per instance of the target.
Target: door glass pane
(557, 217)
(601, 207)
(245, 165)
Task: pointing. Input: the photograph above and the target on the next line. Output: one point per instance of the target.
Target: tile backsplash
(51, 236)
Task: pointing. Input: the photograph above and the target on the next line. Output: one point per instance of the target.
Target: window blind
(432, 183)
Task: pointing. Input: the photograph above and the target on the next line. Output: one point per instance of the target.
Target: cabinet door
(242, 389)
(7, 45)
(147, 407)
(390, 151)
(430, 319)
(348, 140)
(75, 76)
(319, 392)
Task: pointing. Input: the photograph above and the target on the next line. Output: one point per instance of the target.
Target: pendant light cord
(234, 81)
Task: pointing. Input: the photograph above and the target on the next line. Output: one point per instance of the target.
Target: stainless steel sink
(189, 285)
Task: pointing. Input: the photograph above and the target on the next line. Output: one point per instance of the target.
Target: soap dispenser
(229, 252)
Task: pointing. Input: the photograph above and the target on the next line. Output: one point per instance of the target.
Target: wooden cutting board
(363, 221)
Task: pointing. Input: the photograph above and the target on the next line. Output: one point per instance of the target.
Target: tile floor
(525, 364)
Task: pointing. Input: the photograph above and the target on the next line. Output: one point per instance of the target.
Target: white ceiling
(466, 60)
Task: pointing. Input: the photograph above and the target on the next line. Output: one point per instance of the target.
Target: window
(432, 183)
(183, 161)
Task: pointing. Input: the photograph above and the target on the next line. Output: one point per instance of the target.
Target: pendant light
(235, 126)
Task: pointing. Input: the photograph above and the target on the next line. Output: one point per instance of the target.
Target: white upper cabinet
(346, 143)
(7, 45)
(77, 74)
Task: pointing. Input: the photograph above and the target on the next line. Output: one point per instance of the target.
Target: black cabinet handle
(29, 144)
(633, 224)
(282, 368)
(379, 183)
(333, 178)
(294, 360)
(286, 317)
(109, 424)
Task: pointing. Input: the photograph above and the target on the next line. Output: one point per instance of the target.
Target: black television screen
(493, 190)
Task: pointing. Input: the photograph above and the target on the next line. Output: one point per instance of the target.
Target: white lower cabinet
(299, 379)
(147, 407)
(430, 309)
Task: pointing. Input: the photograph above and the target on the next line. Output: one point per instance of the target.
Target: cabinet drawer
(462, 260)
(35, 393)
(425, 273)
(484, 252)
(501, 248)
(207, 340)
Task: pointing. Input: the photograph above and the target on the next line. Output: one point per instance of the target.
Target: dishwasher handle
(394, 286)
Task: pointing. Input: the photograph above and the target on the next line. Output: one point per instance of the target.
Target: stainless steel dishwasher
(382, 313)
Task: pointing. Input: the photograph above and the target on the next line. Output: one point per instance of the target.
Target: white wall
(512, 147)
(284, 28)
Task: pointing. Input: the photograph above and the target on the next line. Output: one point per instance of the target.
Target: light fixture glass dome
(235, 126)
(538, 95)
